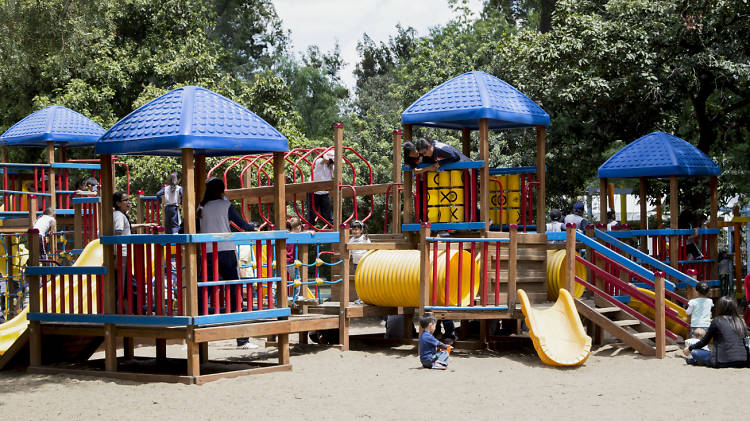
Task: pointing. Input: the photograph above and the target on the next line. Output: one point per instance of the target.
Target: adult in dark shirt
(728, 332)
(437, 154)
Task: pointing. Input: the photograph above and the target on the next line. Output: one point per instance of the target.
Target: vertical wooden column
(108, 258)
(51, 174)
(396, 218)
(714, 223)
(484, 178)
(603, 187)
(408, 184)
(659, 215)
(570, 257)
(541, 173)
(31, 205)
(200, 177)
(279, 206)
(338, 140)
(189, 260)
(466, 142)
(35, 330)
(512, 267)
(659, 318)
(425, 268)
(610, 198)
(674, 213)
(642, 195)
(139, 209)
(737, 227)
(344, 285)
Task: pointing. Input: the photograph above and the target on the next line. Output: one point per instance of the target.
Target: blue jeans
(699, 357)
(171, 219)
(441, 356)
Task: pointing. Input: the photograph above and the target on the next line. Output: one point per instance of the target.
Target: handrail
(467, 240)
(611, 254)
(92, 199)
(461, 165)
(645, 258)
(661, 232)
(193, 238)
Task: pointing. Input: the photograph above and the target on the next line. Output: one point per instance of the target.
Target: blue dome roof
(658, 154)
(54, 123)
(463, 100)
(191, 117)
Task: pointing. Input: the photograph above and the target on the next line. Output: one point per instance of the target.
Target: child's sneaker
(247, 345)
(438, 366)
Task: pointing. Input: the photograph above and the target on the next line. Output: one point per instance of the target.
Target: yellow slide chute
(390, 278)
(557, 332)
(649, 312)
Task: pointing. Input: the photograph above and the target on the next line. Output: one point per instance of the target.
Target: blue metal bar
(90, 199)
(468, 240)
(614, 256)
(145, 239)
(148, 197)
(475, 308)
(66, 270)
(556, 236)
(240, 281)
(119, 319)
(312, 238)
(238, 236)
(242, 316)
(29, 193)
(452, 166)
(23, 166)
(76, 166)
(444, 226)
(661, 232)
(515, 170)
(643, 257)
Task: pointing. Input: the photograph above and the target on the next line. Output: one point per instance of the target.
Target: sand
(387, 384)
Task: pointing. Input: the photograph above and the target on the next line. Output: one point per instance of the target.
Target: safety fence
(512, 197)
(20, 180)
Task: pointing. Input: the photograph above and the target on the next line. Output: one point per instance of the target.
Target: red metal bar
(259, 271)
(523, 203)
(128, 277)
(94, 221)
(89, 295)
(44, 189)
(467, 194)
(44, 288)
(204, 278)
(485, 250)
(473, 272)
(159, 288)
(459, 302)
(418, 201)
(168, 278)
(99, 294)
(53, 300)
(215, 267)
(120, 275)
(179, 281)
(139, 276)
(446, 298)
(497, 275)
(71, 283)
(434, 272)
(269, 272)
(474, 195)
(149, 279)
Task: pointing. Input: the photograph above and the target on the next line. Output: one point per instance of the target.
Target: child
(171, 198)
(411, 156)
(46, 224)
(359, 236)
(437, 154)
(611, 221)
(698, 334)
(428, 345)
(725, 274)
(555, 224)
(699, 309)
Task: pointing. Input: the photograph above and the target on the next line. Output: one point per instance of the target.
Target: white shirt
(122, 227)
(43, 224)
(611, 225)
(692, 341)
(322, 172)
(172, 195)
(574, 219)
(700, 309)
(357, 254)
(215, 220)
(555, 226)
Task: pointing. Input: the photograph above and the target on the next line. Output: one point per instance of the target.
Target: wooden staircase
(625, 328)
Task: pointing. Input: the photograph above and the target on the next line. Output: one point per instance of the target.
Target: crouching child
(432, 353)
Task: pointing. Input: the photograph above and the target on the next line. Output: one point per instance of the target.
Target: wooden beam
(31, 205)
(200, 176)
(713, 223)
(512, 266)
(466, 141)
(659, 318)
(190, 262)
(674, 213)
(396, 200)
(108, 259)
(344, 288)
(541, 173)
(51, 175)
(603, 187)
(484, 178)
(279, 206)
(335, 192)
(35, 331)
(425, 268)
(737, 253)
(408, 184)
(642, 189)
(570, 258)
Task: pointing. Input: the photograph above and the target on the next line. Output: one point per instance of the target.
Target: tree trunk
(545, 20)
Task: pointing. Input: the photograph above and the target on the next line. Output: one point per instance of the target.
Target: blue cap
(578, 207)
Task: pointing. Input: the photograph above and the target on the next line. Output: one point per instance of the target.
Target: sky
(323, 22)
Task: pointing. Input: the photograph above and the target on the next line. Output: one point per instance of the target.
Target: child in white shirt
(699, 309)
(358, 235)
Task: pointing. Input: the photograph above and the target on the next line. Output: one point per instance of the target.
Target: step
(627, 322)
(645, 335)
(605, 310)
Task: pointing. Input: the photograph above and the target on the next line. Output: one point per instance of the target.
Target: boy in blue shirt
(428, 345)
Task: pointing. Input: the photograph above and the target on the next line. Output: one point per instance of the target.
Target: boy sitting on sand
(428, 345)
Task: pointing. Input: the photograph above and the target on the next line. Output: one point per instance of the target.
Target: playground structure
(471, 274)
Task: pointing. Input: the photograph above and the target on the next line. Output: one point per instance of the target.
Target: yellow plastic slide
(557, 332)
(15, 328)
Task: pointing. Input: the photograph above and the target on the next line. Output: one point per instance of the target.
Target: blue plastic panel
(467, 240)
(66, 270)
(91, 199)
(452, 166)
(76, 166)
(54, 123)
(463, 100)
(239, 236)
(28, 193)
(444, 226)
(241, 317)
(312, 238)
(658, 154)
(191, 117)
(145, 239)
(514, 170)
(239, 282)
(474, 308)
(119, 319)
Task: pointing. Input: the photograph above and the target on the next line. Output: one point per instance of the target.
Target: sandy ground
(387, 384)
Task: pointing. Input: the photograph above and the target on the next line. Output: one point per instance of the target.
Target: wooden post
(674, 212)
(659, 318)
(484, 178)
(691, 291)
(642, 195)
(659, 215)
(338, 140)
(344, 285)
(603, 187)
(139, 210)
(570, 257)
(466, 142)
(737, 253)
(408, 184)
(200, 177)
(190, 272)
(512, 267)
(31, 205)
(35, 331)
(541, 173)
(396, 217)
(425, 267)
(108, 259)
(279, 206)
(51, 174)
(610, 197)
(714, 223)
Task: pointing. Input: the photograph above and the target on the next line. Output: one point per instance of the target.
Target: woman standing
(171, 198)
